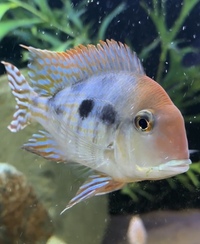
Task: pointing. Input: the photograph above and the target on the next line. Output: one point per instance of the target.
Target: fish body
(100, 110)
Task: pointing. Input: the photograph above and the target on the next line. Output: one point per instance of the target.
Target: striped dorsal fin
(53, 71)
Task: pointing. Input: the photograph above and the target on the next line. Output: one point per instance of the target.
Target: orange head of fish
(154, 144)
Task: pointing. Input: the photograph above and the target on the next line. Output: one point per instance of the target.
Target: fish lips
(175, 166)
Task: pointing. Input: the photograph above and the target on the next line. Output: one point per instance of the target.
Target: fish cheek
(159, 138)
(170, 137)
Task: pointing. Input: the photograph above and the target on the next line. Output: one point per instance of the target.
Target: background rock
(23, 219)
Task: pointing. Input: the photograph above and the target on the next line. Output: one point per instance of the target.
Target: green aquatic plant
(166, 34)
(182, 83)
(56, 29)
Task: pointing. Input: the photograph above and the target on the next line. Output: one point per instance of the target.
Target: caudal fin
(21, 91)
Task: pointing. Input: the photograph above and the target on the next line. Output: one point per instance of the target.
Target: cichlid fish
(100, 110)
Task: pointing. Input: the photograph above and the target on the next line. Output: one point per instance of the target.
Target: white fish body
(99, 109)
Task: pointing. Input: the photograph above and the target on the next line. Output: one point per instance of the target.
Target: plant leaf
(4, 7)
(9, 25)
(106, 21)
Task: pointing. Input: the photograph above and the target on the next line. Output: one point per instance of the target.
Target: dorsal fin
(52, 71)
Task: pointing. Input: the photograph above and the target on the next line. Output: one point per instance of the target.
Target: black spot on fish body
(108, 114)
(85, 108)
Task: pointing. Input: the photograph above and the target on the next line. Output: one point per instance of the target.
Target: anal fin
(45, 146)
(97, 184)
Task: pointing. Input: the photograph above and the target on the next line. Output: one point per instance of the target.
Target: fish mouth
(162, 171)
(176, 166)
(168, 169)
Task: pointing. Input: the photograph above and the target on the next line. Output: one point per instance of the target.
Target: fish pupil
(143, 123)
(85, 108)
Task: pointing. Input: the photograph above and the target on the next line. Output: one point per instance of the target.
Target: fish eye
(144, 121)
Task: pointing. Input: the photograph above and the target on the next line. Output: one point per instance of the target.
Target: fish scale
(87, 127)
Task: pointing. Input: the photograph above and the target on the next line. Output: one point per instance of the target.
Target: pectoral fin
(97, 184)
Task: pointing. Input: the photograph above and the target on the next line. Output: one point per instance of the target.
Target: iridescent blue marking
(47, 61)
(48, 145)
(40, 61)
(44, 82)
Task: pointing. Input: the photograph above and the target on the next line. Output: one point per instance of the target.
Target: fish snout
(171, 137)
